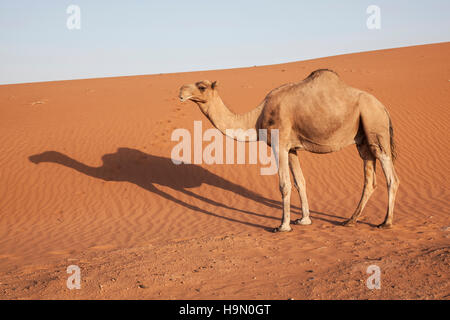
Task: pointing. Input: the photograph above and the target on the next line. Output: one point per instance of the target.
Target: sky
(136, 37)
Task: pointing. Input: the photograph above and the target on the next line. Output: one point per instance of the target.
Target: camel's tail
(392, 142)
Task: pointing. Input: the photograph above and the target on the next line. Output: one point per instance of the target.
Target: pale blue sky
(144, 37)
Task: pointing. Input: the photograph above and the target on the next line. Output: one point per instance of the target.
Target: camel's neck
(228, 122)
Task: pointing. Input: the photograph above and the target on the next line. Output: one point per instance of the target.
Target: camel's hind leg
(392, 182)
(370, 182)
(300, 185)
(378, 132)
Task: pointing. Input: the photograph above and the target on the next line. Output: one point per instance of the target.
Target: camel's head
(201, 91)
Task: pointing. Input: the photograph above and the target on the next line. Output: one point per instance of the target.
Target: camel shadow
(147, 171)
(337, 220)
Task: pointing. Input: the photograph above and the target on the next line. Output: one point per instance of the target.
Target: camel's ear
(214, 85)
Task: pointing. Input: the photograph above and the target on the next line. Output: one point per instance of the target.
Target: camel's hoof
(385, 226)
(349, 223)
(303, 221)
(282, 229)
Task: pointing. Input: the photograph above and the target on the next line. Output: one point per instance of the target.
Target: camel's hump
(321, 73)
(319, 77)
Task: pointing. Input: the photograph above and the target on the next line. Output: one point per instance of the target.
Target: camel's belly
(322, 148)
(328, 133)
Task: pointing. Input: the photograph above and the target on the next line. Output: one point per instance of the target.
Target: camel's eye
(201, 86)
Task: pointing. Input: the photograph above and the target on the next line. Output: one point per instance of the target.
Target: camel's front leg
(285, 189)
(300, 185)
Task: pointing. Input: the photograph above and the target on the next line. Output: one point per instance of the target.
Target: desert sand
(87, 180)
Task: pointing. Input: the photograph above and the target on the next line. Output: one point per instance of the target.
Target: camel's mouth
(192, 98)
(183, 99)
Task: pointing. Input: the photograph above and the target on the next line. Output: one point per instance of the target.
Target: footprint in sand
(42, 101)
(7, 256)
(101, 247)
(59, 252)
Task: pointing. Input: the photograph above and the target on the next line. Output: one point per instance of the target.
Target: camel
(320, 114)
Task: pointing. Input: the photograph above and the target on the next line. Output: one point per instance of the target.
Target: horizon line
(218, 69)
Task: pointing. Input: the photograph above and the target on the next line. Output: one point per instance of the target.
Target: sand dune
(87, 179)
